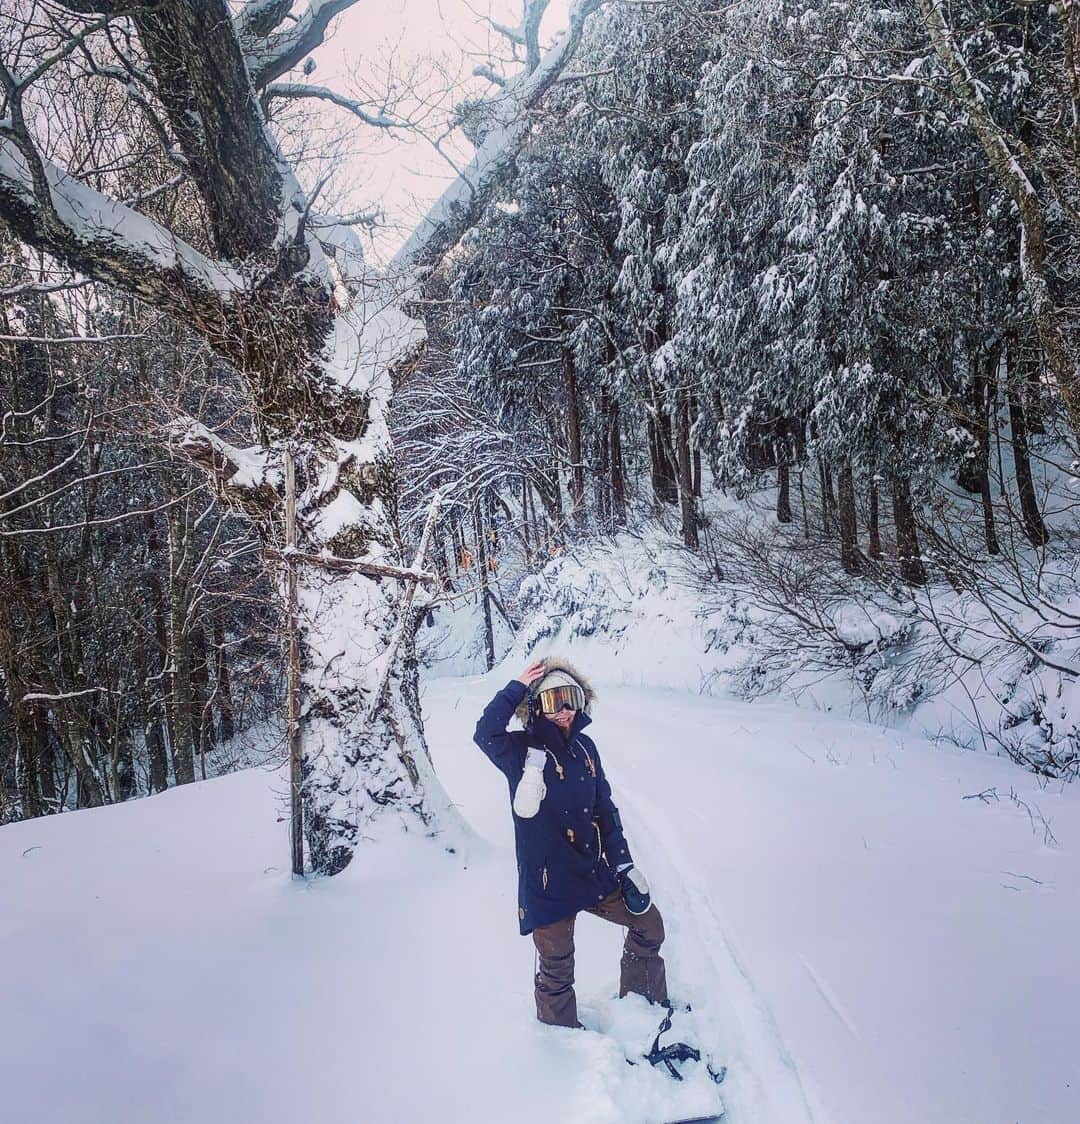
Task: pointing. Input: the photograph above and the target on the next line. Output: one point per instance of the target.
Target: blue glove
(635, 889)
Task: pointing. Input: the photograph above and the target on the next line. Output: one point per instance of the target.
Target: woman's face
(563, 719)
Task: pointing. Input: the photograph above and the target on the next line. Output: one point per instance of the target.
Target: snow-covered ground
(862, 937)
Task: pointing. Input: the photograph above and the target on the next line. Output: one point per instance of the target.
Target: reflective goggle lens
(555, 698)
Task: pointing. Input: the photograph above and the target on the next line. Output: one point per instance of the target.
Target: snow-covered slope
(851, 646)
(863, 938)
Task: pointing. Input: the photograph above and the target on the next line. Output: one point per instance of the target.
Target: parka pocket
(539, 875)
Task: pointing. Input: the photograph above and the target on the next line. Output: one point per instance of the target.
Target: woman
(571, 853)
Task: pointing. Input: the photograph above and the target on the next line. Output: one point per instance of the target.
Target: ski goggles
(554, 699)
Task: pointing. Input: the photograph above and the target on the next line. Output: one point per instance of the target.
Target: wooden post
(296, 833)
(406, 602)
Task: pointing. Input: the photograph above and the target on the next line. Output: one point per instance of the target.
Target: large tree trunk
(850, 558)
(315, 346)
(907, 536)
(1034, 527)
(573, 436)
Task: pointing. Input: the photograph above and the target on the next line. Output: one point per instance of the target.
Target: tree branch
(300, 90)
(202, 81)
(93, 7)
(530, 25)
(460, 205)
(49, 209)
(276, 56)
(488, 72)
(260, 17)
(339, 565)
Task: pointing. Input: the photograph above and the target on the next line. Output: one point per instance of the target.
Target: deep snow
(860, 941)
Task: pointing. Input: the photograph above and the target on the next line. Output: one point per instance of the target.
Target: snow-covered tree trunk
(363, 747)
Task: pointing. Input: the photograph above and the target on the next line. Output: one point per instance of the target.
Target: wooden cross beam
(333, 562)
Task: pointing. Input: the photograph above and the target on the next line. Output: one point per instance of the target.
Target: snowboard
(667, 1057)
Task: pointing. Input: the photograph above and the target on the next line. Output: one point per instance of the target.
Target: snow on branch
(250, 477)
(272, 57)
(461, 203)
(515, 35)
(357, 109)
(106, 240)
(327, 560)
(41, 696)
(527, 33)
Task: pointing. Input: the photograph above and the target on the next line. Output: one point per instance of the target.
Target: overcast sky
(402, 173)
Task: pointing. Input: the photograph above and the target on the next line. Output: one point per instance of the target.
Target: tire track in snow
(831, 1001)
(754, 1090)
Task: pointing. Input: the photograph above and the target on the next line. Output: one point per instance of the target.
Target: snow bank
(863, 937)
(638, 609)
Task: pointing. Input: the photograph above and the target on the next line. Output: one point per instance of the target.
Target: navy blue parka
(568, 852)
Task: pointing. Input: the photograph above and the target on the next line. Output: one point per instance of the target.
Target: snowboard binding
(678, 1052)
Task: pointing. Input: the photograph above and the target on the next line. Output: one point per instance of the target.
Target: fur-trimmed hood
(556, 663)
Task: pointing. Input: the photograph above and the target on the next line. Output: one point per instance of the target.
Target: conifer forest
(714, 361)
(817, 259)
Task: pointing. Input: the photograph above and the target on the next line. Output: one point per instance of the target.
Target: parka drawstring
(558, 764)
(560, 771)
(588, 760)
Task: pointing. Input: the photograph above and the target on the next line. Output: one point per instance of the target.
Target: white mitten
(531, 788)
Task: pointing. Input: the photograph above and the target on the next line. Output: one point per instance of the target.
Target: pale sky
(402, 173)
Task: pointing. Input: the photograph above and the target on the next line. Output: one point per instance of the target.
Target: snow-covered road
(867, 944)
(861, 942)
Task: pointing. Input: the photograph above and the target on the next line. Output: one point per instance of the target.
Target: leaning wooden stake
(293, 688)
(406, 604)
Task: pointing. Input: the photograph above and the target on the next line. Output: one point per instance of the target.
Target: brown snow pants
(642, 968)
